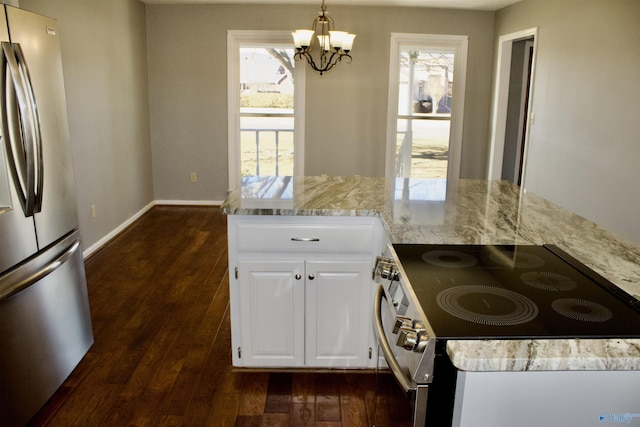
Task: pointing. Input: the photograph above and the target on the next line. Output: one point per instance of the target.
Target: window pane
(424, 92)
(426, 79)
(425, 144)
(266, 146)
(266, 89)
(266, 79)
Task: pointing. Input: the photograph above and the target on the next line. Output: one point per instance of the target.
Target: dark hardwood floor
(162, 353)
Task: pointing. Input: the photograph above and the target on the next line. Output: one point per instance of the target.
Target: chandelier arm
(325, 66)
(348, 56)
(331, 24)
(333, 62)
(304, 54)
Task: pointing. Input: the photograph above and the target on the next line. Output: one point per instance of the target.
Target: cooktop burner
(548, 281)
(449, 259)
(478, 291)
(487, 305)
(582, 310)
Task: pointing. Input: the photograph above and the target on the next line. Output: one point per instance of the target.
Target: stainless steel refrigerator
(45, 324)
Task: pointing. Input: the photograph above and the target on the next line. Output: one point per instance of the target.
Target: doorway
(512, 116)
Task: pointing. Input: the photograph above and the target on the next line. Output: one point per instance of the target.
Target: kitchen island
(467, 212)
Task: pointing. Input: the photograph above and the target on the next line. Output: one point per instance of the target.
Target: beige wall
(584, 150)
(584, 146)
(346, 108)
(104, 59)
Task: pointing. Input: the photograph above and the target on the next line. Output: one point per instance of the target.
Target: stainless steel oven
(410, 354)
(397, 361)
(429, 295)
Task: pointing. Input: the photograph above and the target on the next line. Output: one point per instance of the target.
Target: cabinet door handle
(298, 277)
(311, 277)
(305, 239)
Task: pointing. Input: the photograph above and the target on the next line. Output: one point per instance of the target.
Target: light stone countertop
(468, 212)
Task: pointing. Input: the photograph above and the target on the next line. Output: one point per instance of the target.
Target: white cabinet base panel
(547, 398)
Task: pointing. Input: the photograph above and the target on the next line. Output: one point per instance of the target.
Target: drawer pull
(305, 239)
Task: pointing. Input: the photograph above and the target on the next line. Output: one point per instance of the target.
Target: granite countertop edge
(546, 355)
(481, 355)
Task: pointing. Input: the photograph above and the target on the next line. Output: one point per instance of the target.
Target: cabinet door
(271, 312)
(339, 315)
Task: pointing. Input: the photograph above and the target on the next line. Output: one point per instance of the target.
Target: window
(266, 110)
(426, 104)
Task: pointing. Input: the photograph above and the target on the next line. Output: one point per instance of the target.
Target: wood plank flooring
(162, 353)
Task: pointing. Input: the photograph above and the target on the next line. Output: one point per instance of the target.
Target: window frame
(241, 38)
(459, 45)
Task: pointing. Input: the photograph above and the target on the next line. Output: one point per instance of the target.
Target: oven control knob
(413, 340)
(407, 338)
(389, 272)
(418, 325)
(423, 341)
(401, 322)
(386, 268)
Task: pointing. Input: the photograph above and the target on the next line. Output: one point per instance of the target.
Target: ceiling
(490, 5)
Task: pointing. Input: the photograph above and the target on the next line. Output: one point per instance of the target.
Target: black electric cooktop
(514, 292)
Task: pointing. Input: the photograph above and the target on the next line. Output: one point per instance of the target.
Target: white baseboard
(100, 243)
(189, 202)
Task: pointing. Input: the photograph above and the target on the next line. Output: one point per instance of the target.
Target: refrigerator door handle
(24, 282)
(21, 129)
(34, 128)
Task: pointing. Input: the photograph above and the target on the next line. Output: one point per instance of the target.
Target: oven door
(395, 405)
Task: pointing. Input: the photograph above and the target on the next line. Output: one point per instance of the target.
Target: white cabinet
(338, 314)
(271, 305)
(301, 291)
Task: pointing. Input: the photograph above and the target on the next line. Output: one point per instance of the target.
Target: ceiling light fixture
(333, 45)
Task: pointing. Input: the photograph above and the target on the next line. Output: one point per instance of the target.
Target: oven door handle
(404, 382)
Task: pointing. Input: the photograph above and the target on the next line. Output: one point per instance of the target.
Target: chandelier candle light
(334, 45)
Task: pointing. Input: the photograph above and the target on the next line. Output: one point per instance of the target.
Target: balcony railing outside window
(267, 151)
(267, 114)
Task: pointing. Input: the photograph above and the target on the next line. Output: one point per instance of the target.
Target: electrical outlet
(194, 177)
(93, 211)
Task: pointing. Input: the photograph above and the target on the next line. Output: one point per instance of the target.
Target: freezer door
(17, 232)
(35, 38)
(45, 328)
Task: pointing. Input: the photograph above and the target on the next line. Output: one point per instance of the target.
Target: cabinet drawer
(309, 236)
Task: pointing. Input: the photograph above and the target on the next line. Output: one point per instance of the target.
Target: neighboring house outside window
(427, 76)
(266, 110)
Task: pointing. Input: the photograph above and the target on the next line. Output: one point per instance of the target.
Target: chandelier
(333, 45)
